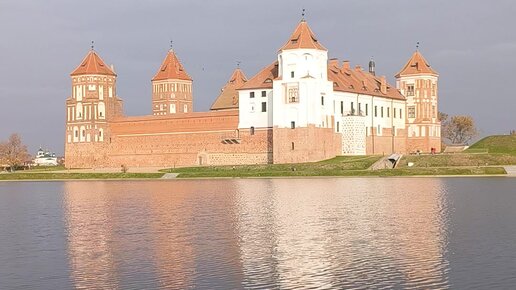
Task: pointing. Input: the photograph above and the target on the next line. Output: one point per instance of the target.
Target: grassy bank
(339, 166)
(458, 159)
(323, 168)
(63, 176)
(501, 144)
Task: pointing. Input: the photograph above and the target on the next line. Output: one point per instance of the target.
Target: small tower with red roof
(228, 98)
(171, 88)
(93, 103)
(417, 81)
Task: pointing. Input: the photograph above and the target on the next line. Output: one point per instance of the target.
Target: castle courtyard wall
(307, 144)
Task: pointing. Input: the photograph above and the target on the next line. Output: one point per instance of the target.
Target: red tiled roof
(171, 68)
(303, 37)
(263, 79)
(360, 82)
(93, 64)
(417, 64)
(228, 98)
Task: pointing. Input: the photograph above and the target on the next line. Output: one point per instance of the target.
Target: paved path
(511, 170)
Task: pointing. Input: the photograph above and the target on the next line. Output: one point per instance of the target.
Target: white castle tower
(302, 92)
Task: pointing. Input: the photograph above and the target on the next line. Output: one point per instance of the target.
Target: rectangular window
(400, 115)
(264, 107)
(410, 90)
(394, 112)
(322, 100)
(381, 112)
(251, 94)
(338, 127)
(367, 109)
(376, 111)
(342, 108)
(359, 108)
(388, 112)
(411, 111)
(292, 74)
(293, 95)
(292, 125)
(352, 109)
(264, 93)
(434, 90)
(433, 112)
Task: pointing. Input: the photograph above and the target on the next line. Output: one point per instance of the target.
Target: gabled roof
(360, 82)
(94, 65)
(303, 37)
(417, 64)
(171, 68)
(228, 98)
(263, 79)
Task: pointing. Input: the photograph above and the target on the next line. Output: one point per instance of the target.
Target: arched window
(102, 110)
(79, 111)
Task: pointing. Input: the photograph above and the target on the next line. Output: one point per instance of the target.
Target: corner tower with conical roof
(417, 81)
(171, 88)
(92, 104)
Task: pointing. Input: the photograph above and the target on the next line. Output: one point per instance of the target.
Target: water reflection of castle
(274, 233)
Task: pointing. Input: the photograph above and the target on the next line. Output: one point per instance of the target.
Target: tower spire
(372, 66)
(417, 46)
(92, 45)
(303, 15)
(171, 45)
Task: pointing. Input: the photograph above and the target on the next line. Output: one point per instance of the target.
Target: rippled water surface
(363, 233)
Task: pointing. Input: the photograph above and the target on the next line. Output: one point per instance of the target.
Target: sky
(470, 43)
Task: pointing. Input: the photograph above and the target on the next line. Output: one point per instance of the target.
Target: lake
(317, 233)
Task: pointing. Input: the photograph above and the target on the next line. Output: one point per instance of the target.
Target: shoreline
(257, 177)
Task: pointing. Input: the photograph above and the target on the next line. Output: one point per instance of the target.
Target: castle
(300, 108)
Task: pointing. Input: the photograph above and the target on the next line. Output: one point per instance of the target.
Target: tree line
(13, 153)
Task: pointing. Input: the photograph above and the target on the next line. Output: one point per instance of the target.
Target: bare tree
(458, 129)
(13, 153)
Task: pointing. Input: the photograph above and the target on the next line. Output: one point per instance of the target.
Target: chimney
(383, 85)
(334, 62)
(113, 68)
(358, 67)
(345, 65)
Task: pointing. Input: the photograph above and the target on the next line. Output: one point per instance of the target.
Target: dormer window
(267, 80)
